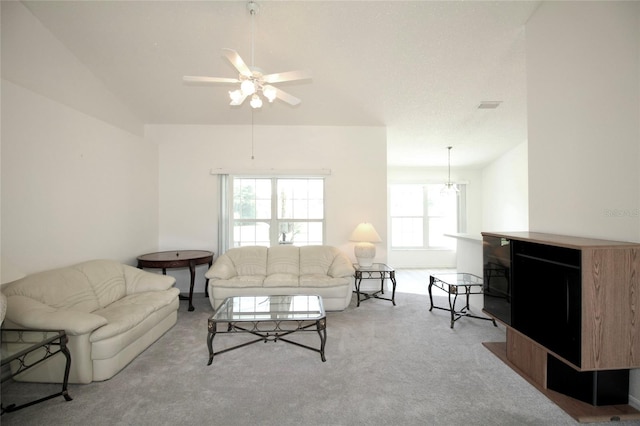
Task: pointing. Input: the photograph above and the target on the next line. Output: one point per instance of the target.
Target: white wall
(583, 119)
(32, 57)
(75, 186)
(355, 190)
(584, 122)
(505, 196)
(439, 258)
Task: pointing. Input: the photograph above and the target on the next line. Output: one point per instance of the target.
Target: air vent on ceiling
(489, 104)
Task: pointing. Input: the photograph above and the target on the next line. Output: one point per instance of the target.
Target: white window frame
(274, 222)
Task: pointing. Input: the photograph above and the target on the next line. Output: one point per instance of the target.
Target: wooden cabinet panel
(528, 356)
(610, 308)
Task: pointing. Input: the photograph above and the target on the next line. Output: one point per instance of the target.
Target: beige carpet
(385, 365)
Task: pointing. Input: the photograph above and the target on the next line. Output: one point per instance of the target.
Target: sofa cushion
(64, 288)
(131, 310)
(283, 260)
(320, 280)
(243, 281)
(222, 269)
(249, 260)
(281, 280)
(316, 259)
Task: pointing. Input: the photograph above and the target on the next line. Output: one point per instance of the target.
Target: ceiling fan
(251, 79)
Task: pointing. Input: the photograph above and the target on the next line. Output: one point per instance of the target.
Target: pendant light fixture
(449, 187)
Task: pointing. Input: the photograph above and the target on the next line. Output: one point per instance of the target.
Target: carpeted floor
(385, 365)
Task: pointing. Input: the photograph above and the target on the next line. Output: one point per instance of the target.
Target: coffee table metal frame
(456, 284)
(285, 315)
(31, 348)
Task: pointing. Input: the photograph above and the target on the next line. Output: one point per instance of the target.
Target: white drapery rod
(271, 172)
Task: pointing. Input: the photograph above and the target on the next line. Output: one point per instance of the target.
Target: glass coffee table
(457, 284)
(270, 318)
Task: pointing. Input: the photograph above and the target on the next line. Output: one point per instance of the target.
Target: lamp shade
(365, 251)
(365, 232)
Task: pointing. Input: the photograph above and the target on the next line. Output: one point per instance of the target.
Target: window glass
(421, 216)
(251, 199)
(271, 211)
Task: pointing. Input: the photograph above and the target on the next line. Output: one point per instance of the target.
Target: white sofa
(285, 270)
(111, 313)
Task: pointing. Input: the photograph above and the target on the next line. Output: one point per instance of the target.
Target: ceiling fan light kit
(251, 79)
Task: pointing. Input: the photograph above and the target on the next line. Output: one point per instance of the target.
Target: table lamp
(365, 235)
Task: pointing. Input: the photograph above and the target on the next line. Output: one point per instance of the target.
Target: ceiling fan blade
(237, 62)
(239, 101)
(284, 96)
(198, 79)
(286, 76)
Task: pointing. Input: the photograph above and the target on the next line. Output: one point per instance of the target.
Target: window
(272, 211)
(420, 216)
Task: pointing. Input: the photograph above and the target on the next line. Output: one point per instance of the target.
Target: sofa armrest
(29, 313)
(138, 281)
(222, 269)
(341, 266)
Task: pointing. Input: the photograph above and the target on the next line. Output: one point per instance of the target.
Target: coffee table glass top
(458, 279)
(376, 267)
(266, 308)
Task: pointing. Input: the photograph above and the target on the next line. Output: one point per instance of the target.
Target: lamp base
(365, 252)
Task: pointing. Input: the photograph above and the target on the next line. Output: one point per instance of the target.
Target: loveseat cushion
(139, 281)
(25, 312)
(106, 277)
(64, 289)
(130, 311)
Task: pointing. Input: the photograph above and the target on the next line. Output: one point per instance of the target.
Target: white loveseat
(111, 313)
(283, 270)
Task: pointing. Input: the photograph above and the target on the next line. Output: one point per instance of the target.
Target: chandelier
(449, 187)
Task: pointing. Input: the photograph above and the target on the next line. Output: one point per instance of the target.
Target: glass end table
(377, 271)
(24, 349)
(455, 284)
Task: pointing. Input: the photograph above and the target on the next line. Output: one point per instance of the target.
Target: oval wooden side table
(179, 259)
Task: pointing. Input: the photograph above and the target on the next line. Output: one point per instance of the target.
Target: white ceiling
(420, 68)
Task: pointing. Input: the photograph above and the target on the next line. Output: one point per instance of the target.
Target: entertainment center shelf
(571, 307)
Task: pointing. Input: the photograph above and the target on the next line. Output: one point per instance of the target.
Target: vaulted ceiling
(418, 68)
